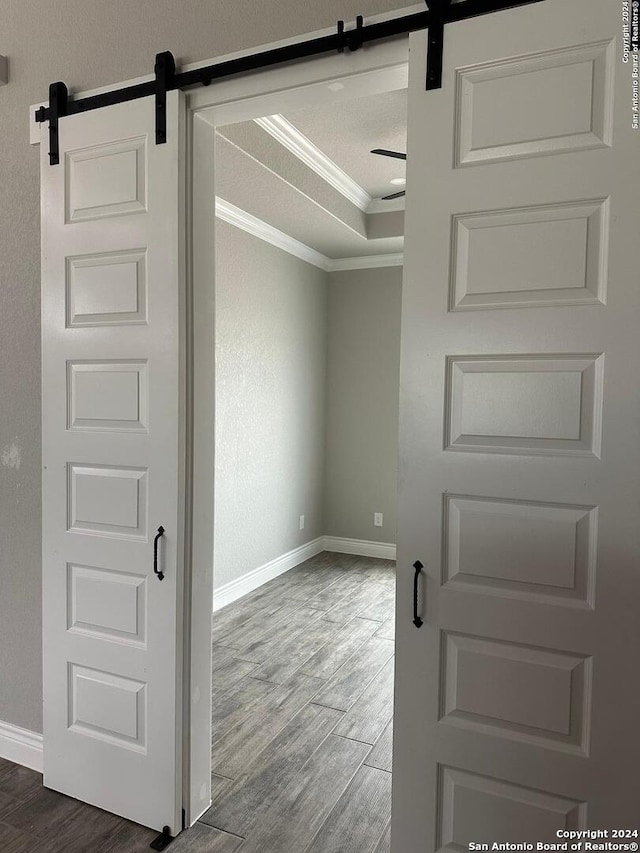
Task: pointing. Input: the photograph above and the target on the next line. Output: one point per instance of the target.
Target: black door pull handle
(417, 621)
(159, 573)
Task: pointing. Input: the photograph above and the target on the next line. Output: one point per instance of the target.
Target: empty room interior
(308, 297)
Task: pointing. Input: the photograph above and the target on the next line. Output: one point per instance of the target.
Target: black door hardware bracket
(163, 840)
(435, 36)
(58, 100)
(165, 71)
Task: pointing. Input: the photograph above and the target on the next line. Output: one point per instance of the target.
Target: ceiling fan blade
(385, 153)
(393, 195)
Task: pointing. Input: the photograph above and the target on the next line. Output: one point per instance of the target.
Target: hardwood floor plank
(132, 838)
(384, 845)
(233, 705)
(369, 715)
(218, 785)
(315, 584)
(254, 628)
(229, 618)
(220, 655)
(45, 812)
(292, 821)
(359, 818)
(345, 561)
(89, 830)
(345, 586)
(243, 742)
(296, 578)
(230, 672)
(366, 599)
(205, 839)
(16, 841)
(18, 782)
(346, 642)
(382, 607)
(293, 653)
(383, 571)
(261, 648)
(7, 804)
(388, 629)
(242, 805)
(350, 681)
(381, 756)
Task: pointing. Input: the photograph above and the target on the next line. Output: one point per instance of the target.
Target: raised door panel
(107, 289)
(107, 603)
(106, 180)
(545, 103)
(525, 405)
(530, 257)
(544, 552)
(477, 809)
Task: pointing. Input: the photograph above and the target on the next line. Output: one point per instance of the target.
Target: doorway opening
(308, 274)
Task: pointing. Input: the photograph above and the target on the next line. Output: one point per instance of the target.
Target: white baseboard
(361, 547)
(234, 590)
(21, 746)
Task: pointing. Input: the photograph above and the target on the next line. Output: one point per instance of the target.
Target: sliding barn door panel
(517, 701)
(112, 461)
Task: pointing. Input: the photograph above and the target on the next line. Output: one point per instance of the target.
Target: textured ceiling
(347, 131)
(261, 176)
(246, 183)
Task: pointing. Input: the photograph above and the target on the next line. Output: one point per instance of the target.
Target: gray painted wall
(271, 321)
(87, 43)
(362, 403)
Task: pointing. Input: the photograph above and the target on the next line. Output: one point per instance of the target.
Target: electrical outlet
(302, 522)
(377, 519)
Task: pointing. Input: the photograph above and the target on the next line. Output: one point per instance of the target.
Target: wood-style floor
(302, 707)
(303, 700)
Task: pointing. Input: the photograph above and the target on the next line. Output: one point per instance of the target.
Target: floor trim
(234, 590)
(361, 547)
(21, 746)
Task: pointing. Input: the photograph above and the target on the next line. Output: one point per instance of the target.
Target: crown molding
(367, 262)
(252, 225)
(302, 148)
(263, 231)
(286, 134)
(379, 205)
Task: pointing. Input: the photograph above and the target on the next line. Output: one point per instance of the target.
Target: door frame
(370, 70)
(367, 72)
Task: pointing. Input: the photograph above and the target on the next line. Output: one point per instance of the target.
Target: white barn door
(518, 700)
(112, 255)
